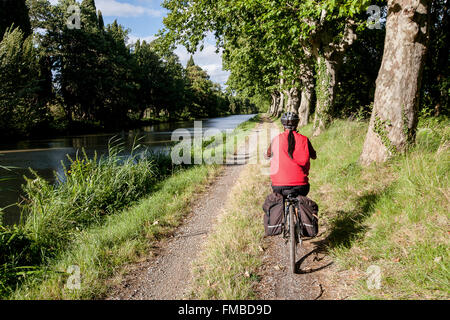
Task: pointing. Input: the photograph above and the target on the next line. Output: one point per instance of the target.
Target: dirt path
(167, 274)
(278, 283)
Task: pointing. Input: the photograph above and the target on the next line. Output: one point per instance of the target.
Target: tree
(436, 75)
(190, 62)
(358, 73)
(394, 117)
(117, 80)
(14, 12)
(101, 23)
(20, 84)
(249, 76)
(200, 90)
(290, 32)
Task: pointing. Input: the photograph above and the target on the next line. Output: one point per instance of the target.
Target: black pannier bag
(273, 218)
(309, 215)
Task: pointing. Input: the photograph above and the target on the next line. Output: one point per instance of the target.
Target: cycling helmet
(290, 120)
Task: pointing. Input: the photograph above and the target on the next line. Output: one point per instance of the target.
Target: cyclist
(291, 153)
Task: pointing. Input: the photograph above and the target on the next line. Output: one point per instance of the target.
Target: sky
(144, 19)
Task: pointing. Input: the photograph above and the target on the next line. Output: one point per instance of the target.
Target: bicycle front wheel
(292, 241)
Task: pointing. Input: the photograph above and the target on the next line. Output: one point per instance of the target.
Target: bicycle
(291, 225)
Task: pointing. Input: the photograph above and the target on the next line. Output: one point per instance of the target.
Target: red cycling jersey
(285, 171)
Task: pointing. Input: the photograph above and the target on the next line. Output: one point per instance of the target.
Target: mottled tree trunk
(293, 100)
(393, 122)
(305, 106)
(442, 60)
(274, 104)
(329, 55)
(280, 106)
(325, 93)
(306, 77)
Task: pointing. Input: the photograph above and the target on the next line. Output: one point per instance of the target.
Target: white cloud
(132, 39)
(207, 59)
(120, 9)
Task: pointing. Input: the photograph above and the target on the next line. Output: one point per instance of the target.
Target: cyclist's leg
(278, 189)
(302, 190)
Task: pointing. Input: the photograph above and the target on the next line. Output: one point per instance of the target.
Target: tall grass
(88, 191)
(102, 249)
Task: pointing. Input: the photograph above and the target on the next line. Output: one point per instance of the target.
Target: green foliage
(18, 257)
(264, 41)
(435, 90)
(88, 191)
(14, 12)
(323, 80)
(190, 62)
(380, 128)
(93, 75)
(21, 108)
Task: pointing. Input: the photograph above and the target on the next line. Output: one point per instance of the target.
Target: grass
(230, 259)
(393, 215)
(103, 216)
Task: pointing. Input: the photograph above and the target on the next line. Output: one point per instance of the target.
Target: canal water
(45, 155)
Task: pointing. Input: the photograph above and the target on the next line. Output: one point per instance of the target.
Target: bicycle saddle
(289, 193)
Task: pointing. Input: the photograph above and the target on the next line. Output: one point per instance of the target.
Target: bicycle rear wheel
(292, 241)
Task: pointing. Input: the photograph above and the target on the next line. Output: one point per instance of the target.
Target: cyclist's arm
(269, 152)
(312, 152)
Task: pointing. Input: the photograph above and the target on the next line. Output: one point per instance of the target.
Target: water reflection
(45, 155)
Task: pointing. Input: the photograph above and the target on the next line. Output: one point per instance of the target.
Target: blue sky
(144, 19)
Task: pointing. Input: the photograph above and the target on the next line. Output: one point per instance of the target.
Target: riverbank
(59, 129)
(45, 155)
(99, 249)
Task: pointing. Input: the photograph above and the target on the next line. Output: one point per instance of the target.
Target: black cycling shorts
(302, 190)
